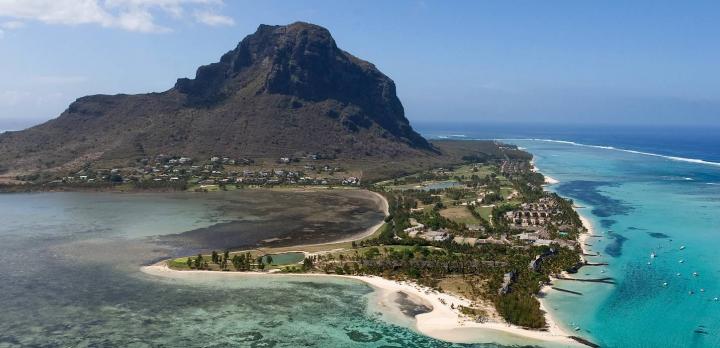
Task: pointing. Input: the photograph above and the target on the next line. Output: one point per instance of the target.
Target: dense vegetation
(479, 269)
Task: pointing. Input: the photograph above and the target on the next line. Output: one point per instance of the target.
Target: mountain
(284, 91)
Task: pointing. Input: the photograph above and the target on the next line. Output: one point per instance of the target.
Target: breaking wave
(673, 158)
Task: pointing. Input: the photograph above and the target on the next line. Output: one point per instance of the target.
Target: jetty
(606, 280)
(566, 290)
(596, 264)
(584, 341)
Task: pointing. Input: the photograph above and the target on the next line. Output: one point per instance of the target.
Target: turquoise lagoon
(640, 204)
(69, 264)
(70, 274)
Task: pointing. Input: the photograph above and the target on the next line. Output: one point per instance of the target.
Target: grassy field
(485, 212)
(459, 213)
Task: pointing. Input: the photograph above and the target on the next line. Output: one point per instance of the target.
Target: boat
(678, 274)
(681, 261)
(702, 290)
(716, 299)
(653, 254)
(682, 247)
(695, 274)
(665, 284)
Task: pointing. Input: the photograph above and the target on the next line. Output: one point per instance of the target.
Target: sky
(555, 62)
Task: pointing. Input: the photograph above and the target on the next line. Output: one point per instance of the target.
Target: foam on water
(674, 158)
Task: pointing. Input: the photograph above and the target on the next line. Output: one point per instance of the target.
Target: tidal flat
(71, 272)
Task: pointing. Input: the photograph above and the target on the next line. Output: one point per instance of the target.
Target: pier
(606, 280)
(596, 264)
(567, 291)
(584, 341)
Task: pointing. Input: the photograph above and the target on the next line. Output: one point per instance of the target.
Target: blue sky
(458, 61)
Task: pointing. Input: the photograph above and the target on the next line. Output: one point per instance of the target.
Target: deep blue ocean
(71, 278)
(646, 190)
(693, 142)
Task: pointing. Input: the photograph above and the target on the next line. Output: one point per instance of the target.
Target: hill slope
(283, 91)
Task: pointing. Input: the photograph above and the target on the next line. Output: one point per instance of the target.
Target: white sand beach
(443, 322)
(550, 181)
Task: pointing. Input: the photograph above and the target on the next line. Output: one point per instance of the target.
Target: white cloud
(2, 34)
(12, 25)
(131, 15)
(139, 20)
(213, 19)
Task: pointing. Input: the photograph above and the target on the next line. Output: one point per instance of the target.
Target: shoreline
(385, 207)
(582, 239)
(442, 322)
(550, 180)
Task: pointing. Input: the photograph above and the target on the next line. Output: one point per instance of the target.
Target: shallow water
(69, 275)
(641, 204)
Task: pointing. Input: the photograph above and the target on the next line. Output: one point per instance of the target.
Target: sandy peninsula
(443, 322)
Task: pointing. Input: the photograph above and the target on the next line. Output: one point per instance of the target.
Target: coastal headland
(477, 209)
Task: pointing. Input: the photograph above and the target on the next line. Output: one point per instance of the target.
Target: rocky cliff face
(302, 60)
(282, 91)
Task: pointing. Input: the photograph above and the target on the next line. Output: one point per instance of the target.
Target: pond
(287, 258)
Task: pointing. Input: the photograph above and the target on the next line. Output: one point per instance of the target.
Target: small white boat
(690, 292)
(577, 328)
(681, 261)
(653, 254)
(702, 290)
(664, 284)
(695, 274)
(678, 274)
(716, 299)
(682, 247)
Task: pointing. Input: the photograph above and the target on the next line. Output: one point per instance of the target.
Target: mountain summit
(303, 62)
